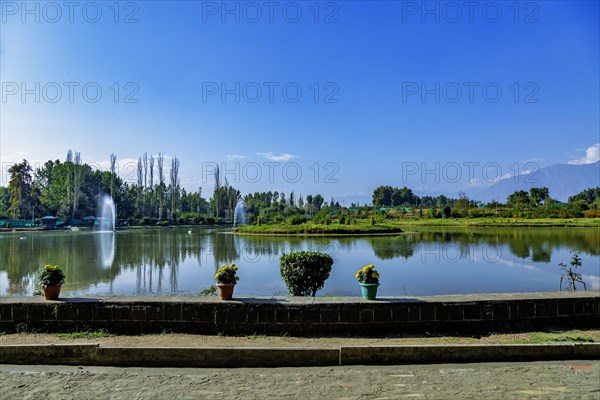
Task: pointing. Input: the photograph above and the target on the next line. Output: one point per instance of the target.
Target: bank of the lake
(400, 225)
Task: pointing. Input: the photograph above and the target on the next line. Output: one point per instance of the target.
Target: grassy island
(319, 229)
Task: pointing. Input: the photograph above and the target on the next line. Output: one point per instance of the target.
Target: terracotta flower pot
(225, 290)
(52, 292)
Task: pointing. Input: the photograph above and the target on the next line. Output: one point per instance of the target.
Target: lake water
(428, 261)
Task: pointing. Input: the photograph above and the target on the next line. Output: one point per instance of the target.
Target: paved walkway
(577, 380)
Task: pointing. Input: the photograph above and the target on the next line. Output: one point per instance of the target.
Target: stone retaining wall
(305, 316)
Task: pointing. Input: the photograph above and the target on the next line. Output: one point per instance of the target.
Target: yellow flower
(358, 275)
(233, 265)
(216, 276)
(50, 267)
(235, 268)
(373, 275)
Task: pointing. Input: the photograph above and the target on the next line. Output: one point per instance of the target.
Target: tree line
(71, 190)
(536, 202)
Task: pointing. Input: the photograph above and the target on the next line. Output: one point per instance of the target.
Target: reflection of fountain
(106, 214)
(239, 215)
(106, 245)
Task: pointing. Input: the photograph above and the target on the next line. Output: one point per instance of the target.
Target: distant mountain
(562, 180)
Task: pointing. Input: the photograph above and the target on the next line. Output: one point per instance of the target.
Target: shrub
(305, 272)
(297, 220)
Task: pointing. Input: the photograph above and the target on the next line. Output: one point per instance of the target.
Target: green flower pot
(369, 290)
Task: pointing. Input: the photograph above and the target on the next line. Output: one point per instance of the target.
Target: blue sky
(350, 94)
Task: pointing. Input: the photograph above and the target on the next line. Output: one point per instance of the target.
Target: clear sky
(315, 97)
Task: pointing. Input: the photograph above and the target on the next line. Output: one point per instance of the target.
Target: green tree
(518, 199)
(113, 174)
(4, 201)
(318, 201)
(538, 195)
(463, 204)
(382, 196)
(174, 189)
(590, 195)
(19, 188)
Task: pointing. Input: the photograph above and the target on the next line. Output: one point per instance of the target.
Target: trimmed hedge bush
(305, 272)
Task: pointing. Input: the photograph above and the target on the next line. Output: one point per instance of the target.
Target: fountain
(106, 215)
(239, 215)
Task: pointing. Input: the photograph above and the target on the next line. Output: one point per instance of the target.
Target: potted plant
(368, 279)
(226, 279)
(50, 280)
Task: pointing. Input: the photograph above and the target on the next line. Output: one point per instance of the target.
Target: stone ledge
(229, 357)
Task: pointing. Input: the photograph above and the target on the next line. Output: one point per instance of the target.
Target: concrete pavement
(548, 380)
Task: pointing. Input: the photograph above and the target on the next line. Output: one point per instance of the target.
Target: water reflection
(426, 261)
(105, 242)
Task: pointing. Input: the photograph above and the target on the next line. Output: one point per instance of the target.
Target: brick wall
(305, 316)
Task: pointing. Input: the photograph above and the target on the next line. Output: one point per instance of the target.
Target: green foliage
(20, 189)
(446, 212)
(305, 272)
(209, 291)
(367, 274)
(518, 199)
(51, 275)
(386, 196)
(227, 274)
(590, 195)
(297, 220)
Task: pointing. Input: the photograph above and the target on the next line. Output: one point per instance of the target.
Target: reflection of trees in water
(83, 257)
(78, 255)
(253, 249)
(224, 248)
(156, 255)
(390, 247)
(537, 243)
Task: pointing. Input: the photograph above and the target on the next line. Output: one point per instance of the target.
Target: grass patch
(256, 336)
(560, 337)
(101, 333)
